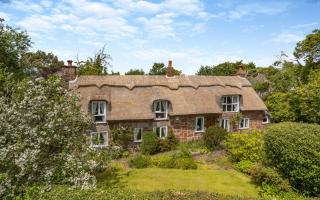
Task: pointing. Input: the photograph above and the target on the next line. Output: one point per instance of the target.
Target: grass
(227, 182)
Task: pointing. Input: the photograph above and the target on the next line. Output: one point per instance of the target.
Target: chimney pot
(69, 63)
(241, 71)
(170, 70)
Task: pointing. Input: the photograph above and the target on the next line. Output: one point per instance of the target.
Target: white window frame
(246, 124)
(268, 119)
(202, 126)
(223, 122)
(104, 114)
(226, 104)
(135, 133)
(106, 138)
(165, 128)
(165, 112)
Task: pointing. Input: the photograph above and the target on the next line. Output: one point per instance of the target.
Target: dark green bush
(245, 146)
(294, 149)
(150, 143)
(169, 143)
(213, 136)
(140, 161)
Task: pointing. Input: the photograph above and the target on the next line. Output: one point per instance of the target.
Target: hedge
(294, 149)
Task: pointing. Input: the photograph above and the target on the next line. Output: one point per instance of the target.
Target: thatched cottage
(185, 104)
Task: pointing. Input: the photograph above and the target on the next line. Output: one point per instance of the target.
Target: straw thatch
(132, 97)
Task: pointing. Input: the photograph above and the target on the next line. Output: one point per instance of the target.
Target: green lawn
(228, 182)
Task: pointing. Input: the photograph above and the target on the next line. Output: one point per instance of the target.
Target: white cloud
(37, 23)
(306, 25)
(268, 8)
(4, 16)
(26, 6)
(286, 38)
(160, 25)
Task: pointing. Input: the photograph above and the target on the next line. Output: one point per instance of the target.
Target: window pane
(224, 99)
(94, 108)
(162, 103)
(160, 115)
(235, 99)
(101, 105)
(229, 107)
(229, 100)
(199, 125)
(102, 138)
(99, 118)
(235, 107)
(224, 107)
(158, 131)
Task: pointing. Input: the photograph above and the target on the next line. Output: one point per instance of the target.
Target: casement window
(244, 123)
(266, 119)
(98, 109)
(230, 103)
(99, 139)
(161, 109)
(137, 136)
(199, 124)
(161, 131)
(225, 123)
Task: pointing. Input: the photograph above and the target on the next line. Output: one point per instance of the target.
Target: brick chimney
(241, 72)
(170, 70)
(69, 72)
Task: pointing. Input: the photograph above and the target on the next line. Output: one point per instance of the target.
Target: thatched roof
(131, 97)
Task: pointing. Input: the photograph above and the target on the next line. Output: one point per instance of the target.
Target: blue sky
(190, 32)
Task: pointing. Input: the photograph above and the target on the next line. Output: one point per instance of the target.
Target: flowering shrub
(42, 139)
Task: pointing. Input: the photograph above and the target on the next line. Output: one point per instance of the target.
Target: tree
(40, 63)
(279, 104)
(43, 138)
(98, 65)
(13, 43)
(135, 72)
(160, 69)
(226, 69)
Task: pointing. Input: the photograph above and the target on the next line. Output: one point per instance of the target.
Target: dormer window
(230, 103)
(161, 109)
(99, 110)
(266, 119)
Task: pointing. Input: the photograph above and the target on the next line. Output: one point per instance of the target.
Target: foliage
(225, 69)
(40, 63)
(122, 136)
(193, 146)
(169, 143)
(98, 65)
(13, 43)
(266, 175)
(160, 69)
(42, 138)
(177, 160)
(213, 136)
(245, 146)
(150, 143)
(62, 192)
(135, 72)
(293, 148)
(244, 166)
(140, 161)
(280, 107)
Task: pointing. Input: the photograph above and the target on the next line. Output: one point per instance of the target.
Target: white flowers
(41, 138)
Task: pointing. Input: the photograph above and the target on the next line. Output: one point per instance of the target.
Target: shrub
(266, 175)
(293, 148)
(213, 136)
(177, 160)
(245, 146)
(169, 143)
(122, 136)
(245, 166)
(42, 138)
(150, 143)
(140, 161)
(194, 146)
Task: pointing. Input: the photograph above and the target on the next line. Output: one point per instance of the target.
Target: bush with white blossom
(43, 139)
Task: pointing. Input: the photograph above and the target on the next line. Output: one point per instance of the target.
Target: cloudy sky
(190, 32)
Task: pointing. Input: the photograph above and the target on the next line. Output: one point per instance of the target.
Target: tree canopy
(161, 69)
(135, 72)
(225, 69)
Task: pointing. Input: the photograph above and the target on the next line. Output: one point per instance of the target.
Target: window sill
(231, 111)
(137, 141)
(265, 123)
(161, 119)
(100, 122)
(99, 146)
(202, 131)
(244, 128)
